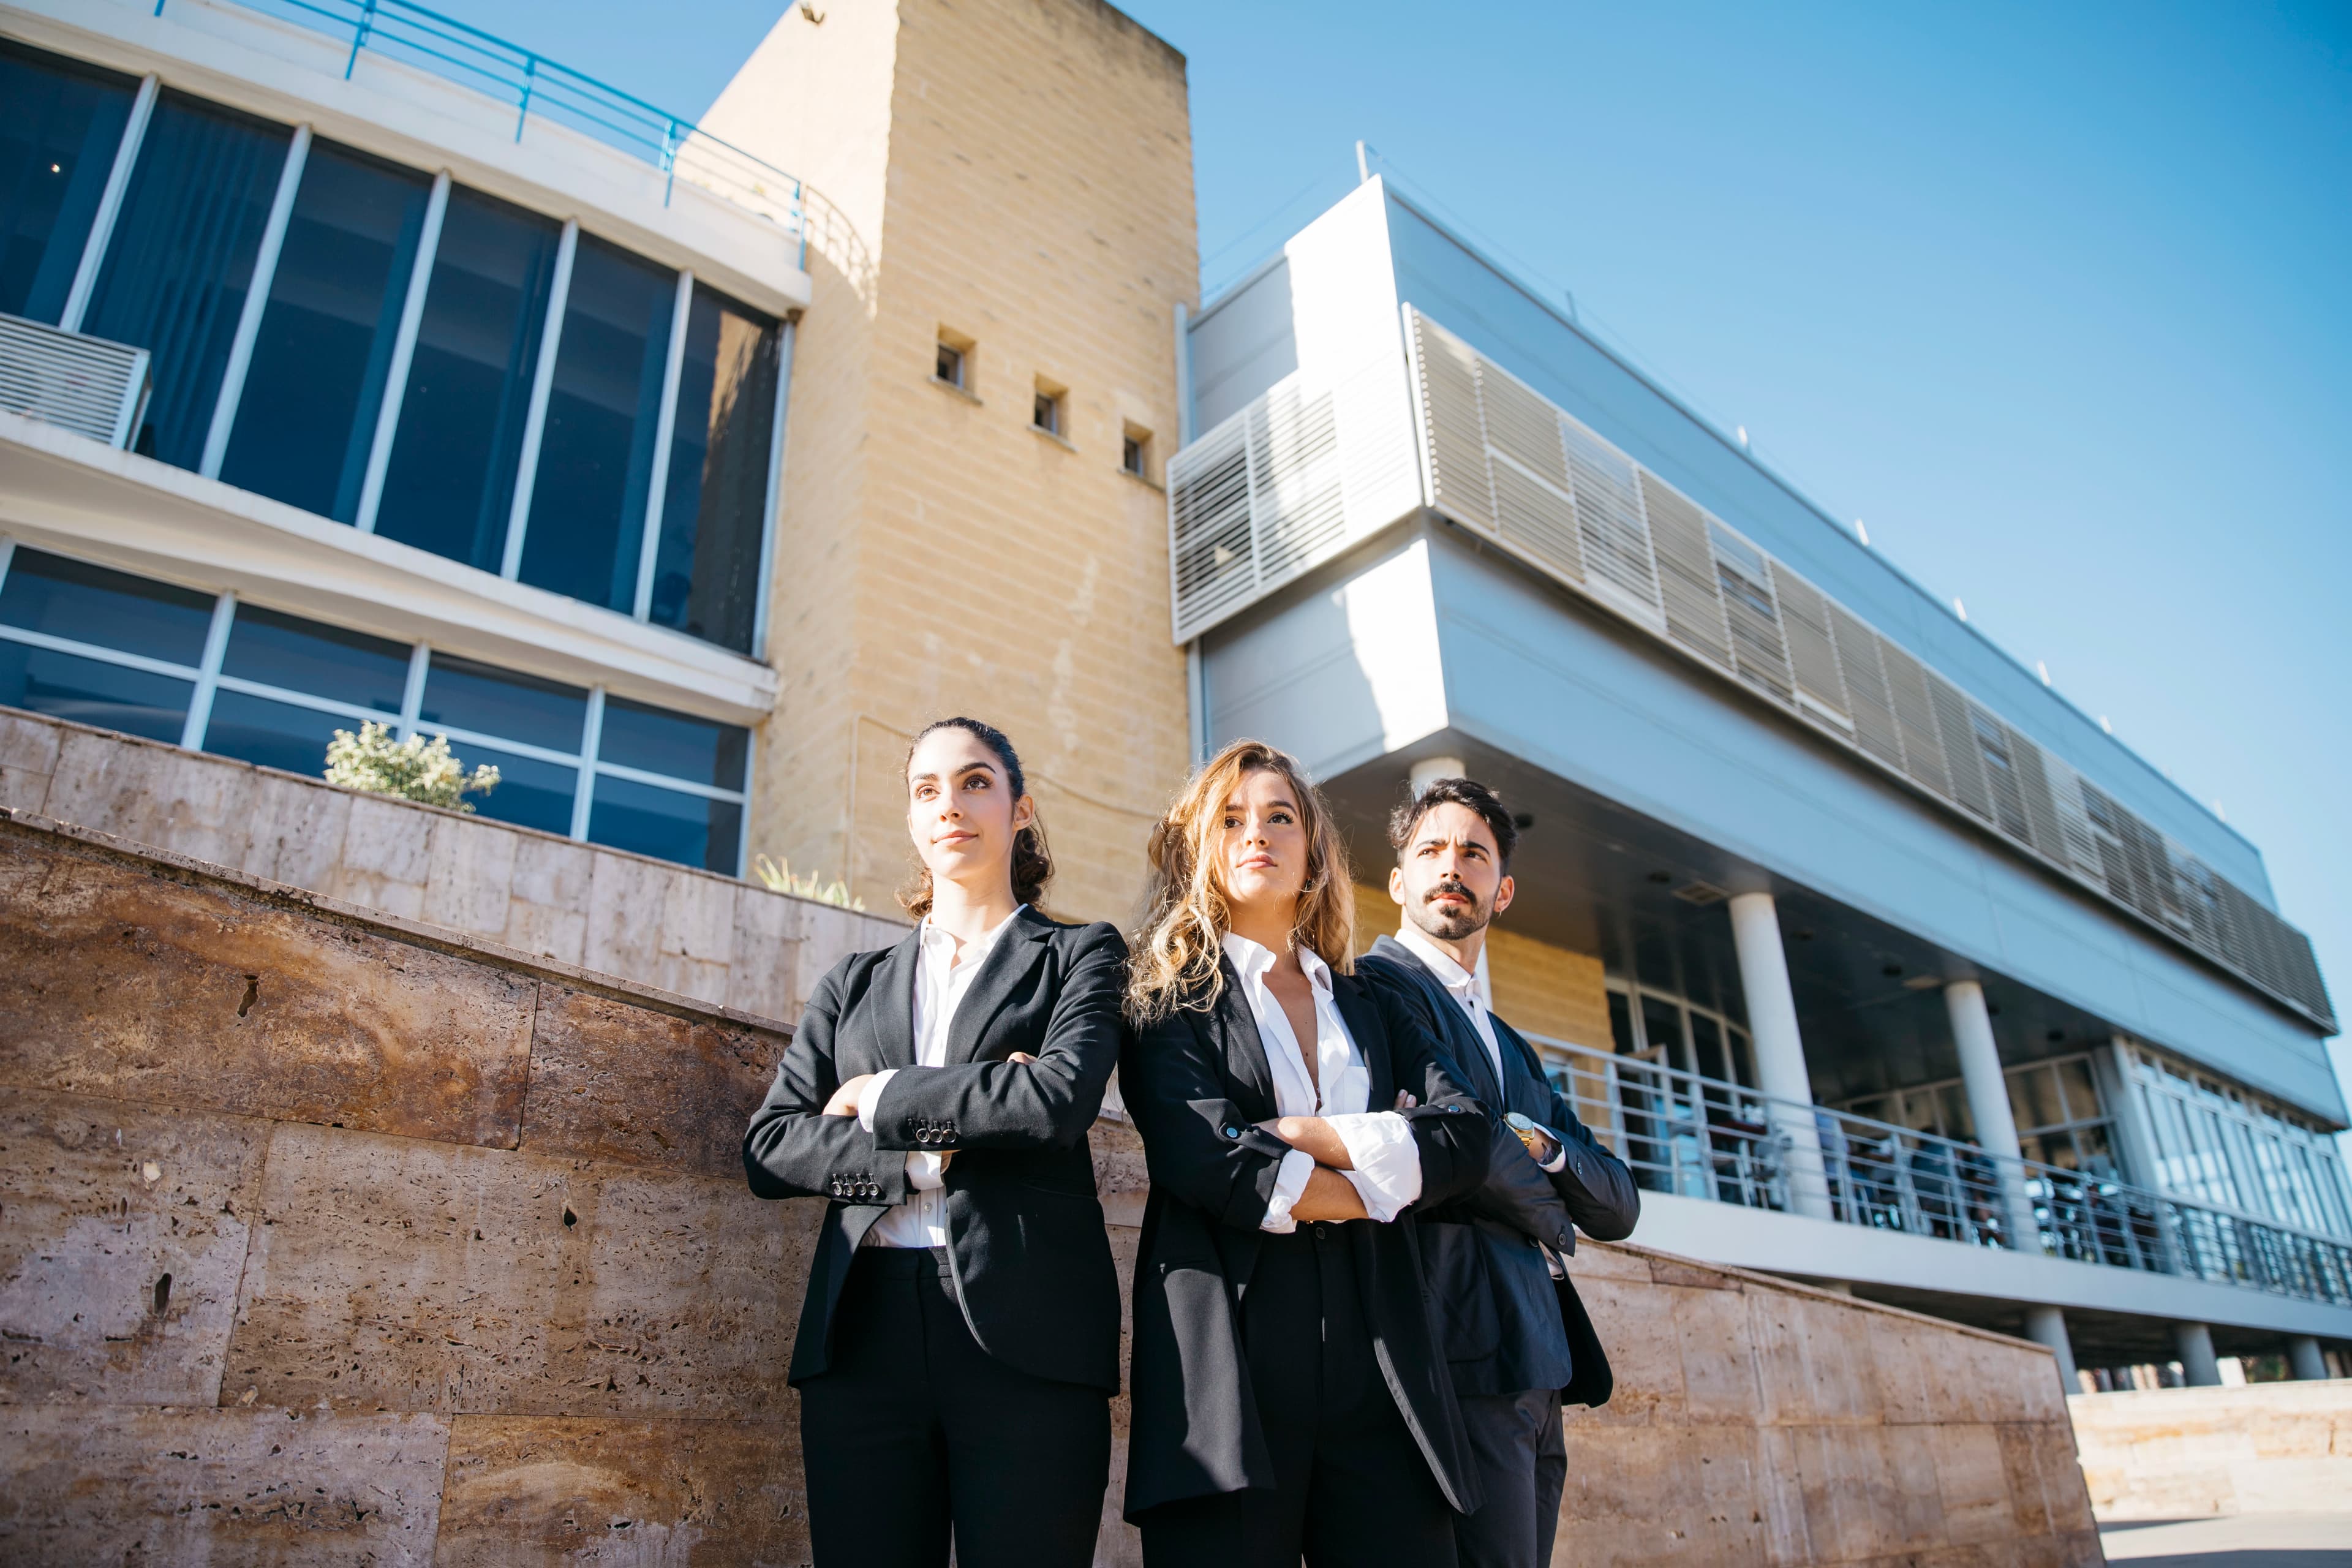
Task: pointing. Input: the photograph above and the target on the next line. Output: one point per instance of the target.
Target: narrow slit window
(1047, 413)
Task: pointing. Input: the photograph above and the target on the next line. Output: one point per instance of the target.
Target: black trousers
(1522, 1458)
(1352, 1485)
(916, 1436)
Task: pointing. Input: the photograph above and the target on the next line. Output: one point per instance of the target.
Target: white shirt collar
(940, 946)
(1255, 961)
(1450, 974)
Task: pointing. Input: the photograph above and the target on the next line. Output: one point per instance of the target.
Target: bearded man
(1518, 1339)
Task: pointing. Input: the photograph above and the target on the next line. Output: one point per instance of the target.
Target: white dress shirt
(942, 978)
(1463, 987)
(1379, 1143)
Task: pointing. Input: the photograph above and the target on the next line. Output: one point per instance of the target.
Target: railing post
(669, 161)
(359, 37)
(529, 78)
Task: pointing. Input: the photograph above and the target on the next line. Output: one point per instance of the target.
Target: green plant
(779, 878)
(415, 768)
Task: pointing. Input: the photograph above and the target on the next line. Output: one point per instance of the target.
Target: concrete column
(1988, 1092)
(2047, 1326)
(2303, 1356)
(1779, 1051)
(2195, 1343)
(1429, 770)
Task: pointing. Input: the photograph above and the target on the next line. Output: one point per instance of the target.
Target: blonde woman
(1290, 1399)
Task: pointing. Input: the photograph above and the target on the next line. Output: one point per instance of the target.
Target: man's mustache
(1449, 886)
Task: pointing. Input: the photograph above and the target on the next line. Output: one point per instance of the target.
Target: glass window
(305, 419)
(274, 734)
(2034, 1098)
(110, 696)
(1661, 1022)
(1708, 1041)
(113, 609)
(182, 258)
(451, 479)
(2082, 1093)
(1621, 1024)
(714, 510)
(596, 451)
(464, 695)
(61, 124)
(317, 660)
(658, 742)
(531, 793)
(667, 823)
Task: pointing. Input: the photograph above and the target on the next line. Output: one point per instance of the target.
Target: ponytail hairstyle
(1032, 864)
(1175, 951)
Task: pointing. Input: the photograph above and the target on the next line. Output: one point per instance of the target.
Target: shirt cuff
(1559, 1162)
(873, 1097)
(926, 1172)
(1290, 1184)
(1387, 1173)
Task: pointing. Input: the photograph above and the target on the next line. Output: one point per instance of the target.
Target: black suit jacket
(1196, 1083)
(1508, 1326)
(1033, 1265)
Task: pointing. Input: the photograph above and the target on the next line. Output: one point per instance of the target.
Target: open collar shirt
(1387, 1173)
(1463, 987)
(941, 983)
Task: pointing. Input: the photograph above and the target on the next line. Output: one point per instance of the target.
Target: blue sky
(2053, 297)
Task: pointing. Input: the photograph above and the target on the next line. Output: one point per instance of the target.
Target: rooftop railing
(1704, 1138)
(537, 88)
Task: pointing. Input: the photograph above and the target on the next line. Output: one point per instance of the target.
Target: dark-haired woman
(958, 1345)
(1290, 1398)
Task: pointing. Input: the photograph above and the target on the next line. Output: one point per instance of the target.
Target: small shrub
(780, 878)
(415, 768)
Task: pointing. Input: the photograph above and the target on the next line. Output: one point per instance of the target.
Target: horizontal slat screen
(1292, 479)
(85, 384)
(1591, 517)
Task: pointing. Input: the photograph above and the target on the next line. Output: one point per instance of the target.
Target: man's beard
(1447, 927)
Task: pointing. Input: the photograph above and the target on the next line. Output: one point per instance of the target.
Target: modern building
(355, 366)
(1883, 966)
(362, 367)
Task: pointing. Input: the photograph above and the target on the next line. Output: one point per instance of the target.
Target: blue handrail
(541, 88)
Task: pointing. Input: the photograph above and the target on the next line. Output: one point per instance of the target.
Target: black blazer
(1507, 1325)
(1196, 1083)
(1033, 1265)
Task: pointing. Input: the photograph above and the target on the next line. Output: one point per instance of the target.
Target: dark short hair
(1405, 820)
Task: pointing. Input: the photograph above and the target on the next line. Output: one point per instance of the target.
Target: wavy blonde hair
(1175, 950)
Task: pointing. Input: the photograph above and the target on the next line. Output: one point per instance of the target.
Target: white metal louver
(85, 384)
(1285, 484)
(1592, 518)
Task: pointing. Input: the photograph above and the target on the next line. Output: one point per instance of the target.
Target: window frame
(230, 392)
(208, 680)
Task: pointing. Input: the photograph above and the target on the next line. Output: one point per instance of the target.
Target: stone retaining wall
(2181, 1452)
(328, 1236)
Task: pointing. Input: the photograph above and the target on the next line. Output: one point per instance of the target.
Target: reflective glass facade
(61, 123)
(181, 259)
(100, 647)
(2217, 1143)
(306, 420)
(553, 409)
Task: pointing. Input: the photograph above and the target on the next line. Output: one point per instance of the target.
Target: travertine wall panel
(609, 1081)
(403, 1274)
(297, 1488)
(136, 985)
(384, 1348)
(524, 1492)
(2265, 1448)
(709, 938)
(123, 1244)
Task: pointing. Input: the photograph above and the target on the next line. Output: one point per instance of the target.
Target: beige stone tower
(1011, 178)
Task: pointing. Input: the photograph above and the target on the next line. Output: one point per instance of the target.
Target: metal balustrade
(89, 385)
(535, 86)
(1704, 1138)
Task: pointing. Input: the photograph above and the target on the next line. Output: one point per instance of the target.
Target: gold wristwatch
(1531, 1134)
